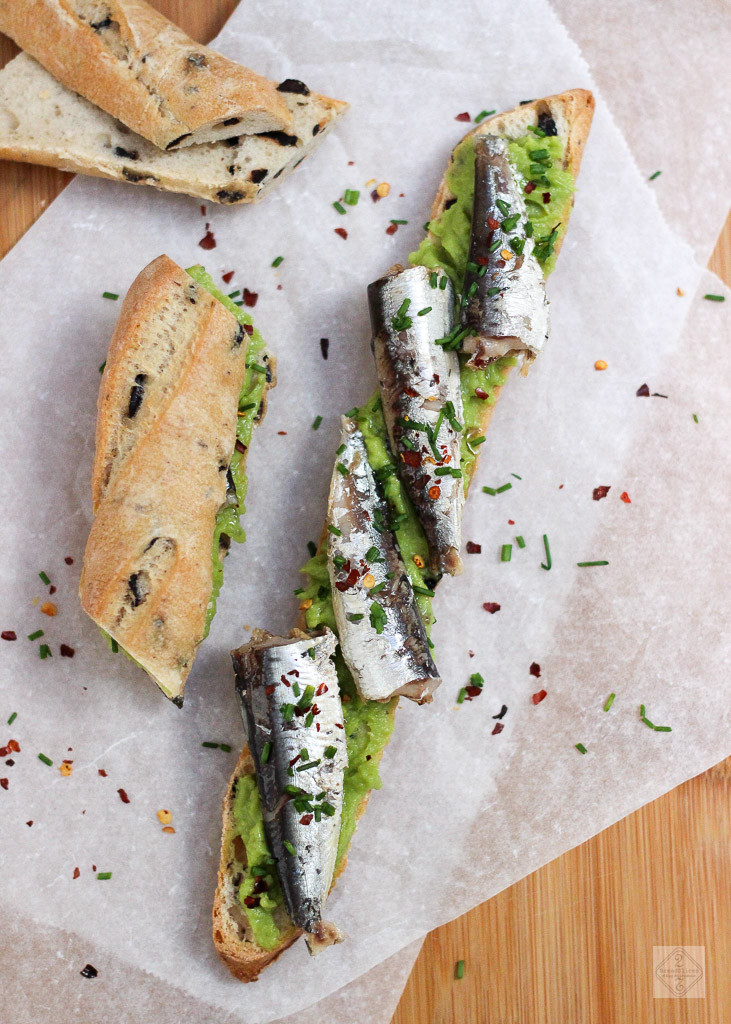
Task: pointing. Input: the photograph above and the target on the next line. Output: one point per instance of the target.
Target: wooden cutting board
(573, 942)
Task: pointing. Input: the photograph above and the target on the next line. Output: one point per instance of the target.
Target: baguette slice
(572, 112)
(43, 122)
(128, 59)
(166, 429)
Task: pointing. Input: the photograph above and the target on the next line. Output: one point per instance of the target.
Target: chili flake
(473, 549)
(600, 492)
(123, 796)
(538, 697)
(66, 651)
(169, 829)
(392, 229)
(250, 298)
(418, 562)
(9, 634)
(208, 241)
(625, 498)
(77, 873)
(643, 391)
(464, 116)
(434, 492)
(228, 276)
(491, 607)
(498, 728)
(535, 670)
(342, 232)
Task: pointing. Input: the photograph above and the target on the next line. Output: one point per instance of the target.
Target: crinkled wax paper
(462, 813)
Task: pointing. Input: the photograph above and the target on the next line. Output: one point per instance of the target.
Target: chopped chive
(663, 728)
(211, 746)
(287, 712)
(114, 646)
(536, 131)
(266, 751)
(482, 115)
(642, 710)
(489, 490)
(538, 154)
(256, 366)
(510, 222)
(447, 471)
(482, 271)
(232, 295)
(503, 207)
(715, 298)
(655, 175)
(424, 311)
(248, 407)
(353, 617)
(506, 552)
(549, 563)
(310, 764)
(342, 468)
(277, 261)
(378, 588)
(340, 450)
(476, 679)
(424, 591)
(316, 422)
(45, 652)
(312, 548)
(495, 245)
(372, 555)
(472, 289)
(311, 652)
(12, 718)
(110, 295)
(459, 969)
(334, 530)
(225, 748)
(34, 636)
(517, 245)
(104, 876)
(330, 751)
(352, 196)
(492, 291)
(289, 848)
(46, 760)
(339, 207)
(609, 701)
(505, 487)
(475, 441)
(352, 412)
(516, 476)
(581, 748)
(327, 808)
(461, 695)
(695, 418)
(520, 542)
(433, 280)
(585, 565)
(399, 222)
(377, 617)
(101, 368)
(443, 283)
(44, 578)
(647, 722)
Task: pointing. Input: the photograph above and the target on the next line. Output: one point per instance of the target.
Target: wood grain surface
(573, 942)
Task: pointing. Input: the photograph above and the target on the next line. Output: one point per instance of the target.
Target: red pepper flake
(14, 746)
(52, 589)
(282, 433)
(9, 634)
(30, 823)
(102, 773)
(251, 901)
(350, 581)
(480, 393)
(473, 691)
(208, 241)
(269, 691)
(434, 492)
(68, 560)
(342, 232)
(203, 210)
(499, 726)
(324, 347)
(473, 549)
(491, 607)
(411, 458)
(228, 276)
(625, 498)
(511, 522)
(317, 726)
(463, 117)
(530, 187)
(538, 697)
(66, 651)
(339, 725)
(546, 197)
(250, 298)
(643, 391)
(249, 328)
(351, 163)
(375, 196)
(123, 796)
(4, 751)
(600, 492)
(492, 223)
(4, 783)
(294, 760)
(392, 229)
(240, 446)
(305, 819)
(322, 688)
(535, 670)
(77, 873)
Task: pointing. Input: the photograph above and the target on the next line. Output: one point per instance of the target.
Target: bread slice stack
(113, 89)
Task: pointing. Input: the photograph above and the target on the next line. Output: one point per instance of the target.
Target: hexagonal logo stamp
(679, 972)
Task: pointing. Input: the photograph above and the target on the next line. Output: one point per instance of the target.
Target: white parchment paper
(462, 813)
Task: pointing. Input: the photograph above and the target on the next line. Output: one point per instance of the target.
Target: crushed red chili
(66, 651)
(123, 796)
(342, 232)
(208, 241)
(498, 728)
(473, 549)
(464, 116)
(68, 560)
(535, 670)
(491, 607)
(530, 187)
(479, 393)
(102, 773)
(600, 492)
(538, 697)
(643, 391)
(9, 634)
(305, 819)
(249, 328)
(250, 298)
(228, 276)
(392, 229)
(625, 498)
(4, 783)
(77, 873)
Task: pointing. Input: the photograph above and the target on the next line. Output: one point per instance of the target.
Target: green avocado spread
(369, 724)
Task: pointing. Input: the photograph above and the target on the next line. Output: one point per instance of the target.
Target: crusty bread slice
(128, 59)
(166, 428)
(572, 112)
(43, 122)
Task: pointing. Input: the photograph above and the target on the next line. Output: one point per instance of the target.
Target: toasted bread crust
(43, 122)
(575, 110)
(166, 428)
(128, 59)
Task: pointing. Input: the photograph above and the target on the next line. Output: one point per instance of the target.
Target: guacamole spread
(369, 724)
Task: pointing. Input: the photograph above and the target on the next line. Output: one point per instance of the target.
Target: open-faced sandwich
(185, 381)
(446, 333)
